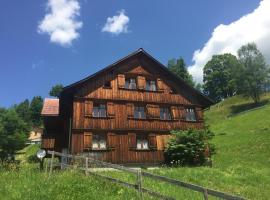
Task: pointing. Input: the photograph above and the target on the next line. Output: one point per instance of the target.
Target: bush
(189, 147)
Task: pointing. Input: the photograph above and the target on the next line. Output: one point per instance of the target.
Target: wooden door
(121, 148)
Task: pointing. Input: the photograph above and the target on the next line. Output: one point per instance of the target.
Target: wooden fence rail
(140, 174)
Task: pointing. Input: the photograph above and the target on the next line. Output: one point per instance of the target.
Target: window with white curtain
(190, 114)
(99, 141)
(130, 83)
(151, 85)
(142, 142)
(99, 110)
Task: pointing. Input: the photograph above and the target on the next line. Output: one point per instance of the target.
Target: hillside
(243, 144)
(240, 166)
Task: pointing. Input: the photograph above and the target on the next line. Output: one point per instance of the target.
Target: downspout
(69, 134)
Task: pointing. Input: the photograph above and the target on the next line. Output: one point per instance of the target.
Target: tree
(23, 110)
(35, 109)
(199, 87)
(13, 132)
(218, 76)
(179, 68)
(56, 90)
(253, 74)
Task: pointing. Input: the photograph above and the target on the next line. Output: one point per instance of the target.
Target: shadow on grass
(235, 109)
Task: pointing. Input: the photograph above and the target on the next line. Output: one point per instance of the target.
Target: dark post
(86, 166)
(41, 164)
(51, 164)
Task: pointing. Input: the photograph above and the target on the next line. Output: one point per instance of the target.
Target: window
(99, 141)
(99, 110)
(151, 85)
(142, 142)
(165, 113)
(130, 83)
(139, 112)
(107, 84)
(190, 114)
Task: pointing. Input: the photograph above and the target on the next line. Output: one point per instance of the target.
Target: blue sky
(30, 64)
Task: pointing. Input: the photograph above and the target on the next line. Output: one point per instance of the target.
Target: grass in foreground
(28, 184)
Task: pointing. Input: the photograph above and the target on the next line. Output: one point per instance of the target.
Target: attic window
(151, 85)
(107, 84)
(130, 83)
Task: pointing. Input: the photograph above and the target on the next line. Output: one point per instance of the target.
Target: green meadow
(241, 165)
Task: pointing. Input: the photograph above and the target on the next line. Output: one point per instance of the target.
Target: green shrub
(189, 147)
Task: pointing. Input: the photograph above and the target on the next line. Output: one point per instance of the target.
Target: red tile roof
(50, 107)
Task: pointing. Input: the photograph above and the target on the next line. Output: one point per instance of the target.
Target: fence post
(139, 183)
(51, 164)
(73, 157)
(86, 166)
(205, 194)
(46, 166)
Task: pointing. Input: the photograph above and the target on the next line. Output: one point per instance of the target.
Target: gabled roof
(206, 102)
(50, 107)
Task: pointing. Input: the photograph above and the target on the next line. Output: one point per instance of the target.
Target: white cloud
(61, 22)
(117, 24)
(253, 27)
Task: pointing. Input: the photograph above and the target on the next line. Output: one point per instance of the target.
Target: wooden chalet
(123, 113)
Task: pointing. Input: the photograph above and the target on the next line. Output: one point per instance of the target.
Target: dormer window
(151, 85)
(99, 110)
(130, 83)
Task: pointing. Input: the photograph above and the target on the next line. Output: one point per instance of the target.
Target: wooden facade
(125, 112)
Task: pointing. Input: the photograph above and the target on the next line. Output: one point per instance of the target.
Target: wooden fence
(139, 177)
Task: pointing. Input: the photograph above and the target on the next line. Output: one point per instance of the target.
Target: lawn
(241, 163)
(240, 166)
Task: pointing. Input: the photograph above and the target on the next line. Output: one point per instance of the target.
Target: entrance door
(121, 148)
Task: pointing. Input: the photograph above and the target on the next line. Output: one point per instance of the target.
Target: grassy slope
(29, 184)
(241, 165)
